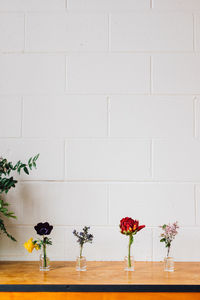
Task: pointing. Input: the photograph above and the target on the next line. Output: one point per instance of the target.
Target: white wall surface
(108, 92)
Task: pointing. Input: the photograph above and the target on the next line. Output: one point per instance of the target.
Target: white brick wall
(107, 5)
(66, 116)
(176, 5)
(151, 116)
(32, 73)
(32, 5)
(108, 159)
(67, 32)
(108, 73)
(176, 73)
(51, 159)
(144, 200)
(159, 32)
(11, 32)
(10, 106)
(107, 91)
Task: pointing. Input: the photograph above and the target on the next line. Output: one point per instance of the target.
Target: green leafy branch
(4, 210)
(6, 183)
(3, 229)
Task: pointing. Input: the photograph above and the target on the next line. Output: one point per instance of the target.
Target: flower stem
(168, 250)
(81, 250)
(129, 250)
(44, 254)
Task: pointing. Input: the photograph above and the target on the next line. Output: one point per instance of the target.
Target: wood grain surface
(99, 273)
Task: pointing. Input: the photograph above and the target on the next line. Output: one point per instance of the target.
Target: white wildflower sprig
(170, 231)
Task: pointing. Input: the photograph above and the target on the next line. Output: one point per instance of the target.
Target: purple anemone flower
(43, 228)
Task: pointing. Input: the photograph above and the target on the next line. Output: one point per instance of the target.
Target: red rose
(130, 226)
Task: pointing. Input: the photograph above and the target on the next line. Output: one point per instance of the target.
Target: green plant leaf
(26, 170)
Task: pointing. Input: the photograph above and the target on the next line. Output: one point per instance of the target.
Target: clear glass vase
(129, 263)
(81, 263)
(169, 264)
(44, 263)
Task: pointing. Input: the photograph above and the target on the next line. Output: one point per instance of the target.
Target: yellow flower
(37, 247)
(29, 246)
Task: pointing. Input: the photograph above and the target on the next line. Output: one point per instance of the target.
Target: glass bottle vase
(44, 263)
(129, 263)
(81, 263)
(169, 264)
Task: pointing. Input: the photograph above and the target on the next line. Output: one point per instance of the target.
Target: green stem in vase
(129, 250)
(44, 253)
(81, 250)
(168, 250)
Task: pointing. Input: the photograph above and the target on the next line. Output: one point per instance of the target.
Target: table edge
(100, 288)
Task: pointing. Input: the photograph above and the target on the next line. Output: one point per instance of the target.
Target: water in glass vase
(44, 263)
(81, 263)
(169, 264)
(129, 263)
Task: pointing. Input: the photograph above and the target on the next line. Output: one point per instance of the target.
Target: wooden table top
(99, 273)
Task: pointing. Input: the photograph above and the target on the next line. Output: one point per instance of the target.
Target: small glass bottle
(169, 264)
(81, 263)
(44, 263)
(129, 263)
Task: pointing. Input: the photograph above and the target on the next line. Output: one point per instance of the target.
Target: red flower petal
(140, 227)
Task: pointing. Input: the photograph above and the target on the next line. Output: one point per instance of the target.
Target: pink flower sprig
(170, 231)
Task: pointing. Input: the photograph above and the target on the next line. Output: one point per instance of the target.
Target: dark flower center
(43, 231)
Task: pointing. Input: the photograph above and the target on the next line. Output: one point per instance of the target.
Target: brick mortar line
(147, 139)
(109, 181)
(67, 10)
(51, 139)
(84, 53)
(90, 11)
(59, 94)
